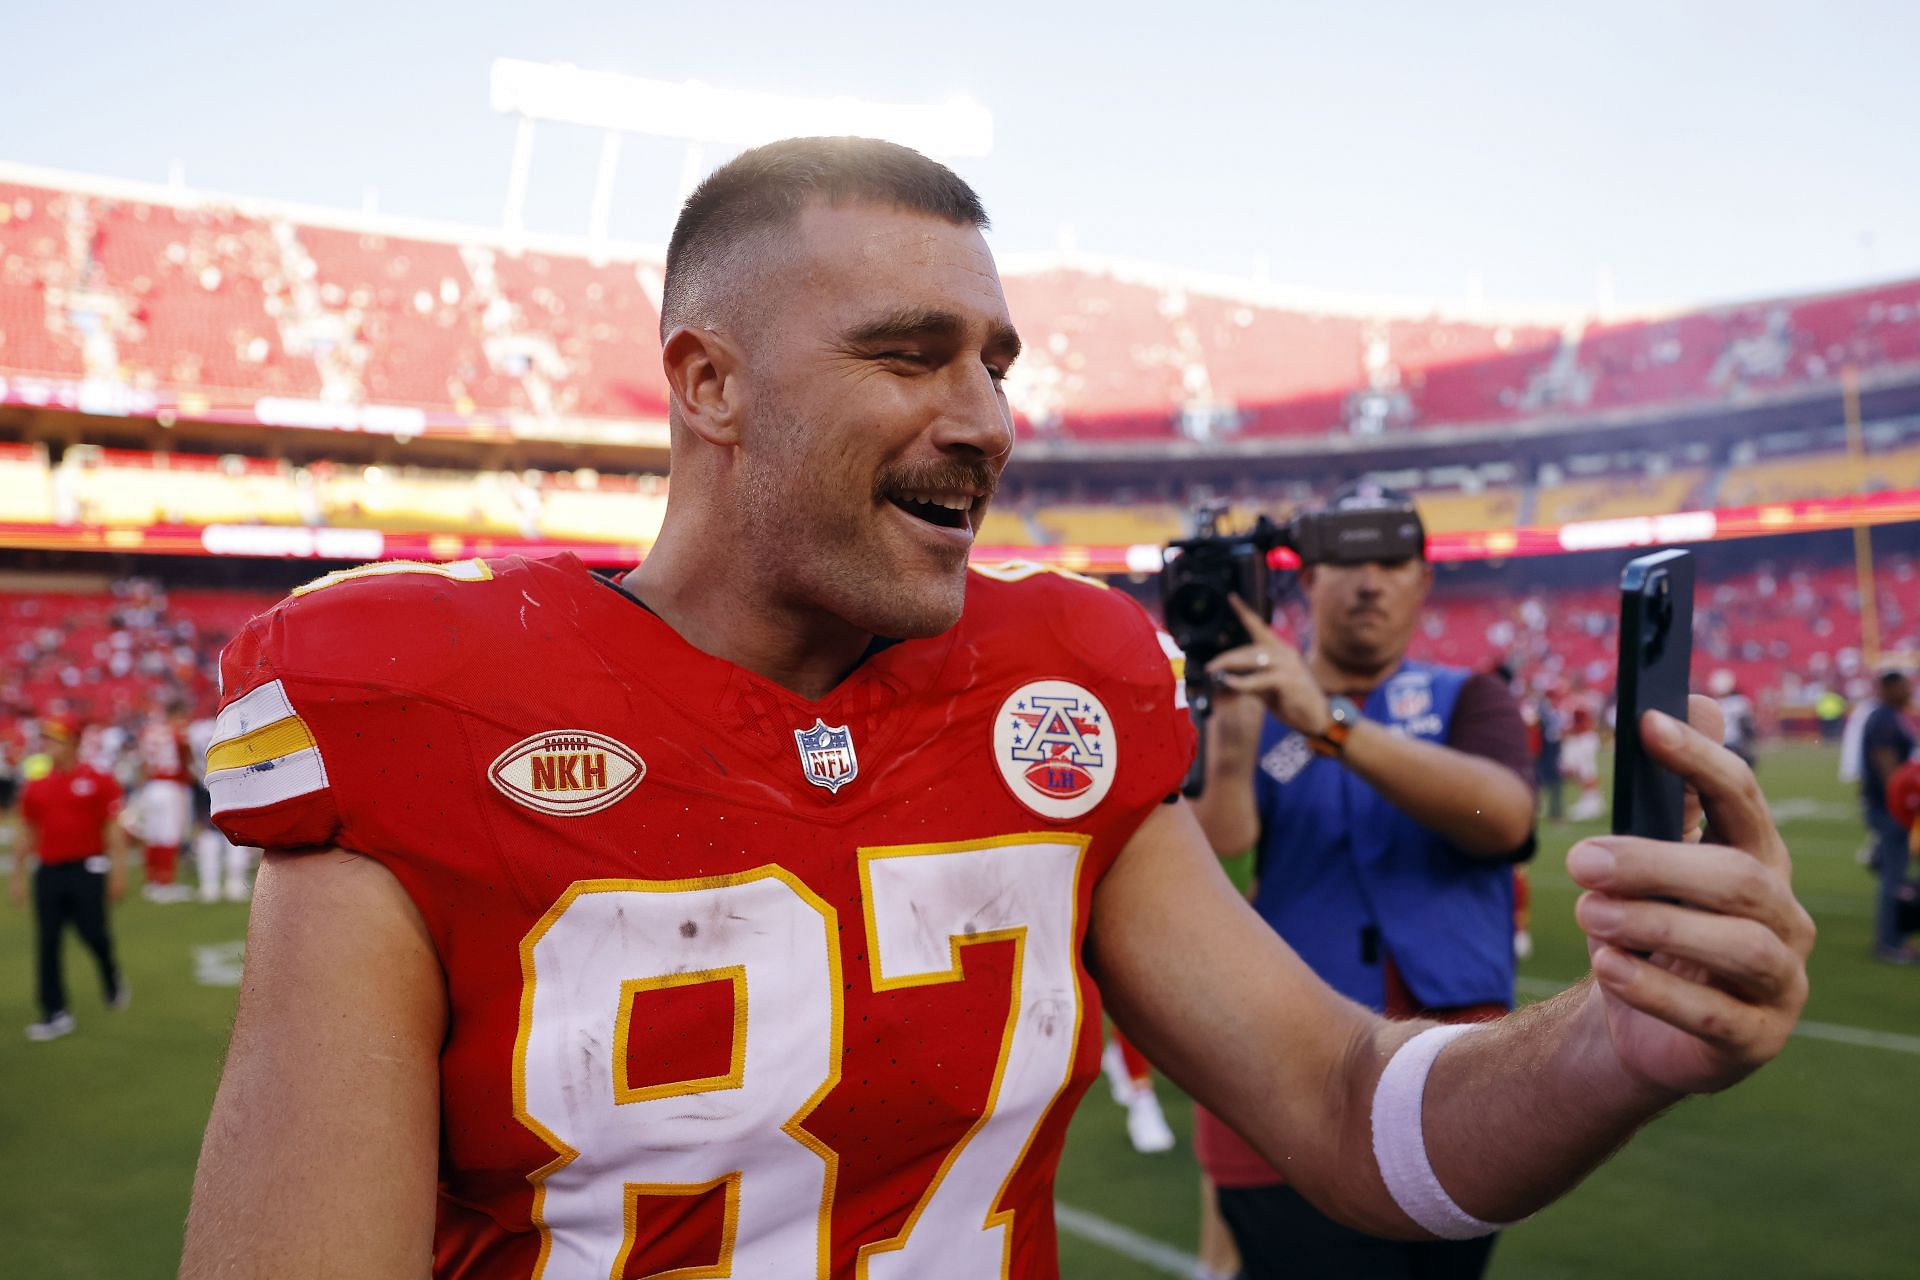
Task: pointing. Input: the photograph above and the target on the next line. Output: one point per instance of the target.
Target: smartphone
(1656, 648)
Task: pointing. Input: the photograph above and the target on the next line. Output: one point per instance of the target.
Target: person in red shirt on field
(68, 822)
(1903, 802)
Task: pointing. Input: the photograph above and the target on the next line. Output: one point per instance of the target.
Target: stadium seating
(1609, 497)
(603, 325)
(26, 485)
(1455, 511)
(1108, 525)
(197, 299)
(114, 657)
(411, 306)
(1783, 632)
(196, 284)
(36, 272)
(1003, 527)
(119, 488)
(1819, 476)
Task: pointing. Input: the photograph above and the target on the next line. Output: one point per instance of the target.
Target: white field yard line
(1124, 1241)
(1797, 808)
(1861, 1037)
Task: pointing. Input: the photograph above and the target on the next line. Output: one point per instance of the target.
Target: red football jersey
(739, 983)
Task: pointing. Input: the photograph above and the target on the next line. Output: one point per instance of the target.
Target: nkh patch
(1054, 744)
(826, 755)
(567, 772)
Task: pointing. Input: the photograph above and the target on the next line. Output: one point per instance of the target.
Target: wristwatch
(1342, 715)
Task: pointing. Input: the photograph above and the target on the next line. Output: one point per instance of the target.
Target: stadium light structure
(701, 115)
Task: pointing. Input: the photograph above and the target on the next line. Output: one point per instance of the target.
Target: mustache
(938, 477)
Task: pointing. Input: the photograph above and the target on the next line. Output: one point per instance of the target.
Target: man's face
(1899, 694)
(876, 426)
(1364, 614)
(63, 752)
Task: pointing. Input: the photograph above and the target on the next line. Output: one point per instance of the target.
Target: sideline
(1862, 1037)
(1125, 1241)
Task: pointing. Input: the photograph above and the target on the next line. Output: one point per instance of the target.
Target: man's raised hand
(1723, 977)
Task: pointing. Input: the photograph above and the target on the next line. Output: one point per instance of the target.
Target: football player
(754, 916)
(162, 808)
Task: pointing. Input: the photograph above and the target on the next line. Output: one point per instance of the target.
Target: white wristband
(1400, 1140)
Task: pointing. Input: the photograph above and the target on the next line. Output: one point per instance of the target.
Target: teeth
(951, 501)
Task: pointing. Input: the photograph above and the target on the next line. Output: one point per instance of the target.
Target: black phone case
(1656, 649)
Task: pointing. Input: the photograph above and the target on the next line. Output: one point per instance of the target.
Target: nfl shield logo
(826, 755)
(1409, 696)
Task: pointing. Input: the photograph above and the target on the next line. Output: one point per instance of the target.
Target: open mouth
(947, 510)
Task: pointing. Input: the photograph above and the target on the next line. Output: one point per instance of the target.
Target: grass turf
(1810, 1169)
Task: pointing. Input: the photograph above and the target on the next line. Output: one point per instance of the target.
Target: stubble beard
(826, 551)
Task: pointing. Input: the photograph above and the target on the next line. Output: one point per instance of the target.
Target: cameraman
(1387, 800)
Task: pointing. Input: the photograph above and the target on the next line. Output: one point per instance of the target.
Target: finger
(1253, 683)
(1248, 657)
(1743, 953)
(1255, 623)
(1704, 714)
(1748, 1034)
(1712, 877)
(1729, 794)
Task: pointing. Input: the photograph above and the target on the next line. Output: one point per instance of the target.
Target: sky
(1657, 153)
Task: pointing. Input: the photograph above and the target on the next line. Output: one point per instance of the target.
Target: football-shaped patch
(567, 771)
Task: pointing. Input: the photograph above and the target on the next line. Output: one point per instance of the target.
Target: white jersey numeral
(775, 941)
(775, 944)
(925, 904)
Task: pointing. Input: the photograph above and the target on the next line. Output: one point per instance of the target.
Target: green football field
(1810, 1169)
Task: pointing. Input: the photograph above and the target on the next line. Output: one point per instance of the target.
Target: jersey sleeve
(265, 770)
(1487, 723)
(1140, 674)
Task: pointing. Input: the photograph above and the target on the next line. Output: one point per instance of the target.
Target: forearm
(1517, 1113)
(1479, 806)
(1226, 807)
(1227, 813)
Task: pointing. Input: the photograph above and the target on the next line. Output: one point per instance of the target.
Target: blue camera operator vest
(1342, 874)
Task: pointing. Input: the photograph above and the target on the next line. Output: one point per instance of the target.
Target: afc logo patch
(827, 756)
(1054, 744)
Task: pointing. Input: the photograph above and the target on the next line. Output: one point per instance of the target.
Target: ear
(703, 375)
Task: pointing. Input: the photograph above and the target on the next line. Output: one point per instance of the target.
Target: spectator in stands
(69, 825)
(1387, 801)
(1886, 743)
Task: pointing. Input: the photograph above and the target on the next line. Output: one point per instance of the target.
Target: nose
(975, 416)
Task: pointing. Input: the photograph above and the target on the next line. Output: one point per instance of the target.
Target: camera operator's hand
(1273, 672)
(1699, 947)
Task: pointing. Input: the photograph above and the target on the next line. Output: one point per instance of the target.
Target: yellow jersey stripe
(268, 742)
